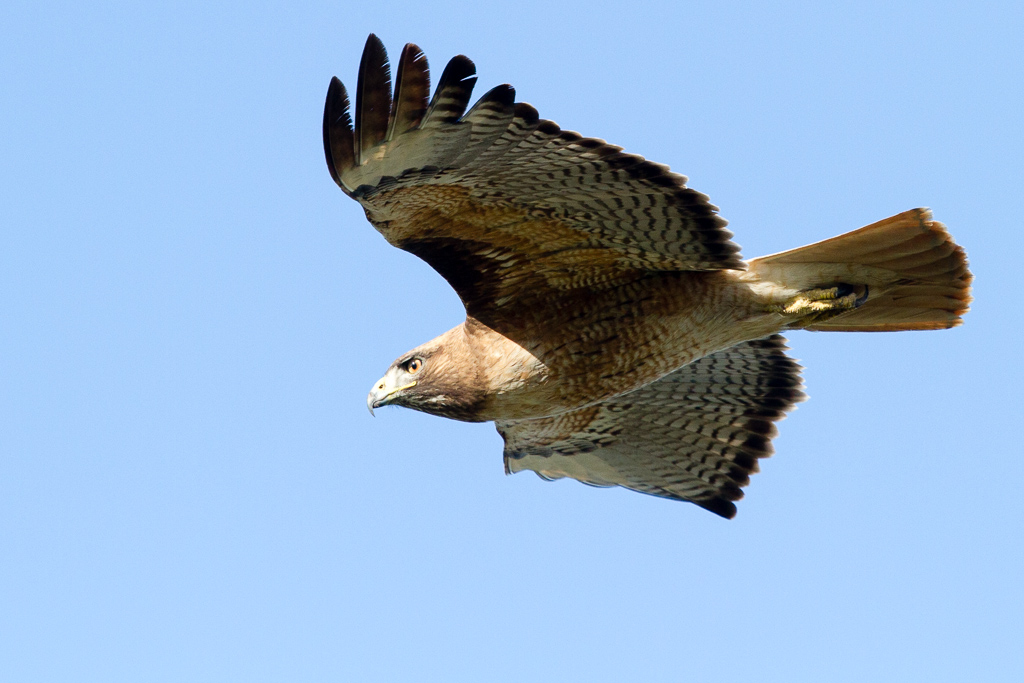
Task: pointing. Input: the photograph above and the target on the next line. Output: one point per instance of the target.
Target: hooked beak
(383, 392)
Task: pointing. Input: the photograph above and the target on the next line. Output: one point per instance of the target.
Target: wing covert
(510, 202)
(696, 434)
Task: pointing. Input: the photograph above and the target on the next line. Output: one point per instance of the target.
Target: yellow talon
(816, 302)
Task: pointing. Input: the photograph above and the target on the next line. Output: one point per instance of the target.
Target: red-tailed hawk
(613, 333)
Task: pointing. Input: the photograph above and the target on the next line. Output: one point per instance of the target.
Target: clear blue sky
(191, 315)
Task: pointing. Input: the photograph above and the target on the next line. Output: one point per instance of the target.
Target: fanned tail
(916, 275)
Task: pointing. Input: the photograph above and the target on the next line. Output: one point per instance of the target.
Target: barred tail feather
(917, 276)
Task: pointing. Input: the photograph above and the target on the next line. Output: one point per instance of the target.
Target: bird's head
(435, 378)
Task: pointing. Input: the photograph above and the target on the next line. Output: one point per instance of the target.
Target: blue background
(191, 315)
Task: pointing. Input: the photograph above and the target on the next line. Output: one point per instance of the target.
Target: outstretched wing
(694, 435)
(505, 205)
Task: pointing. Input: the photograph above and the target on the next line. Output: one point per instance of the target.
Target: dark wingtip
(337, 130)
(503, 94)
(454, 89)
(373, 97)
(459, 68)
(527, 112)
(374, 46)
(719, 506)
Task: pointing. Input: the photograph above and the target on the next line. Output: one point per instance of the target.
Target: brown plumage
(612, 331)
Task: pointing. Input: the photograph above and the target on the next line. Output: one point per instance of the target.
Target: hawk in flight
(612, 333)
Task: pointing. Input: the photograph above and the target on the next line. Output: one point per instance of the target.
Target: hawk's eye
(413, 366)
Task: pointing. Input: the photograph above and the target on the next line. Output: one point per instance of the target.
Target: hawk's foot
(815, 305)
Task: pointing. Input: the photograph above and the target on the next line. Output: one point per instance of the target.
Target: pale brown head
(438, 377)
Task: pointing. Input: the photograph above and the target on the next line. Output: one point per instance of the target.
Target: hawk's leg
(814, 305)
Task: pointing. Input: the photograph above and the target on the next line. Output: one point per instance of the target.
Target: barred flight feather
(504, 160)
(373, 98)
(412, 90)
(672, 438)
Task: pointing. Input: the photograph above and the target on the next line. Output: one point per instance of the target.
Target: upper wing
(693, 435)
(500, 202)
